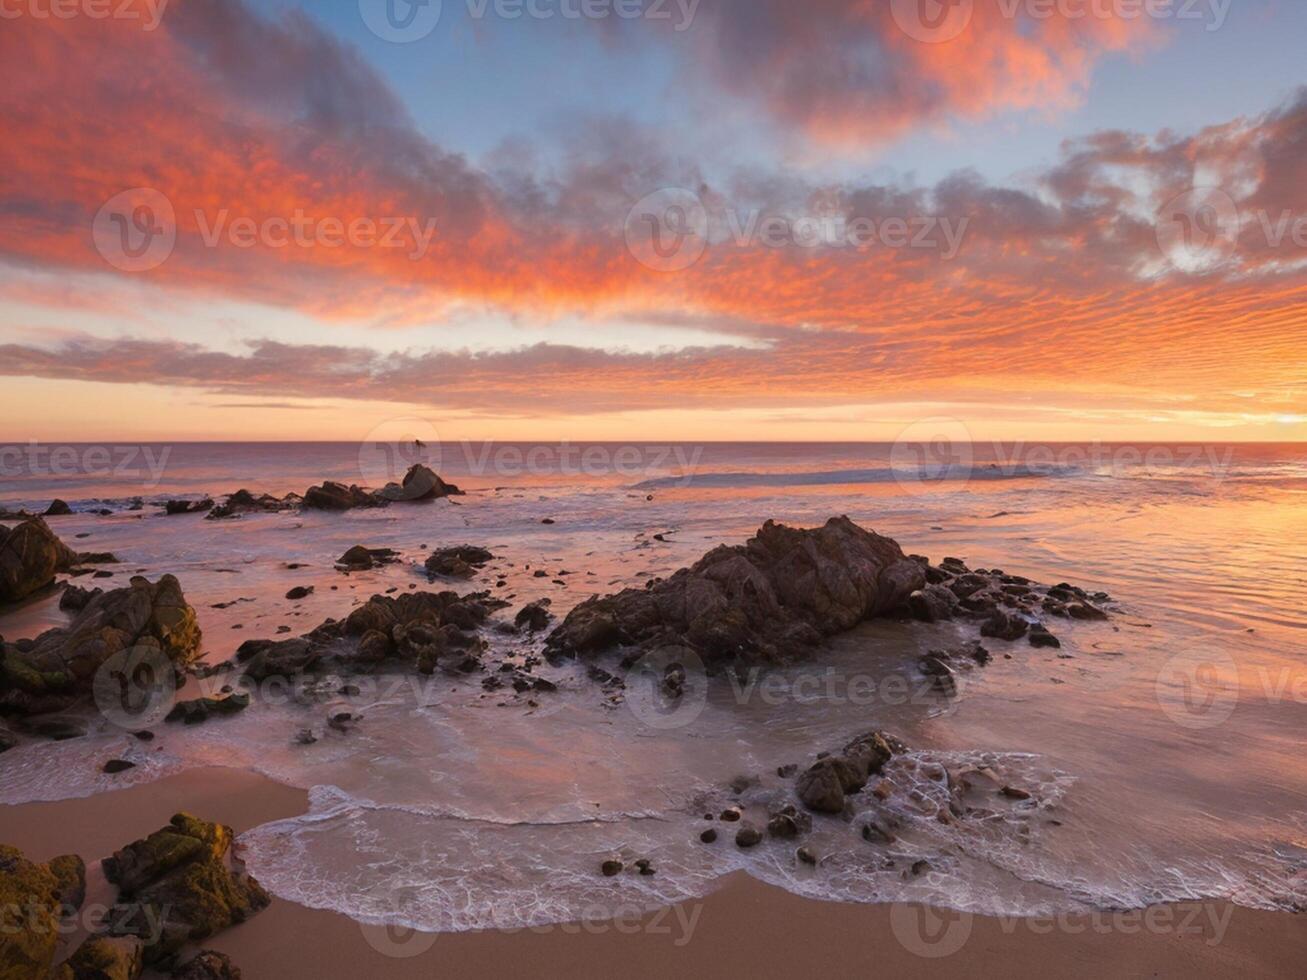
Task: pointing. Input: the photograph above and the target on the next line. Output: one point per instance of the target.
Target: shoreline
(743, 926)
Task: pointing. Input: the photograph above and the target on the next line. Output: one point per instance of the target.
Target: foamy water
(1160, 749)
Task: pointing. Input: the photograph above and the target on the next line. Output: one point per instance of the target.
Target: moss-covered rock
(208, 965)
(29, 916)
(59, 666)
(30, 555)
(104, 958)
(69, 872)
(178, 881)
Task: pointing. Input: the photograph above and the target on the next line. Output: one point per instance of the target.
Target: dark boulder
(30, 555)
(457, 562)
(337, 496)
(823, 786)
(771, 599)
(420, 483)
(57, 508)
(1005, 625)
(534, 616)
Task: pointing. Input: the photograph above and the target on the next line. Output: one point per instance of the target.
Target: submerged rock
(58, 667)
(460, 561)
(174, 507)
(359, 558)
(534, 616)
(771, 599)
(244, 502)
(337, 496)
(202, 709)
(823, 786)
(30, 555)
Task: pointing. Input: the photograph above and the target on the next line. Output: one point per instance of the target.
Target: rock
(1012, 793)
(1004, 625)
(457, 562)
(57, 508)
(7, 738)
(420, 483)
(75, 598)
(60, 728)
(534, 616)
(611, 868)
(208, 965)
(709, 836)
(285, 658)
(59, 666)
(244, 502)
(337, 496)
(731, 815)
(825, 784)
(179, 876)
(1085, 610)
(114, 766)
(30, 555)
(772, 599)
(359, 558)
(806, 855)
(300, 592)
(202, 709)
(305, 736)
(788, 823)
(30, 890)
(104, 958)
(174, 507)
(932, 604)
(1041, 637)
(69, 872)
(748, 836)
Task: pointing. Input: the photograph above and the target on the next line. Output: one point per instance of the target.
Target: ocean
(1161, 749)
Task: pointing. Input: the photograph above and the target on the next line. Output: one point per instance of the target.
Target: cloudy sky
(656, 219)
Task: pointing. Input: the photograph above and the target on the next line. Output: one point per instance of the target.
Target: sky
(653, 219)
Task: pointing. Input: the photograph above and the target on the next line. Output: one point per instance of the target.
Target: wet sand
(743, 928)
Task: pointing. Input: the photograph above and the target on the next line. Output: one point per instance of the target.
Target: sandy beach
(745, 927)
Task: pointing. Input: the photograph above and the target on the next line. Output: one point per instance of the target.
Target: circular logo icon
(398, 942)
(933, 454)
(1198, 690)
(135, 231)
(667, 231)
(932, 21)
(135, 688)
(392, 448)
(400, 21)
(667, 688)
(1198, 230)
(929, 932)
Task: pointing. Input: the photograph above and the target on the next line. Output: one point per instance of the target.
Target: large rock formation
(771, 599)
(54, 670)
(181, 887)
(244, 502)
(30, 555)
(412, 630)
(104, 958)
(336, 496)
